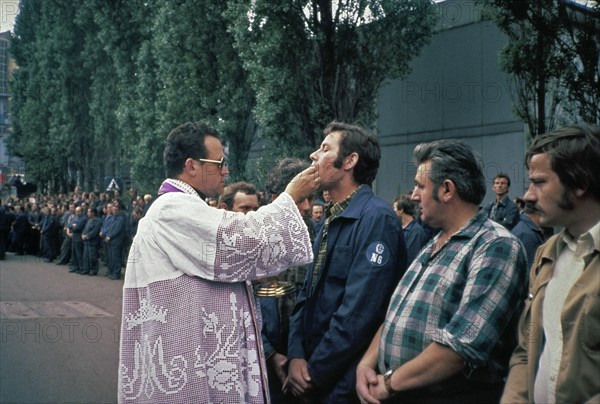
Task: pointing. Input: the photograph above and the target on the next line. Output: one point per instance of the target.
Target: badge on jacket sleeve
(378, 254)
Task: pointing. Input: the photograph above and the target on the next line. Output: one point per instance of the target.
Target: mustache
(531, 207)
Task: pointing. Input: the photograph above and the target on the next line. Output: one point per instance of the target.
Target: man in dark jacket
(502, 210)
(276, 311)
(49, 231)
(65, 248)
(20, 229)
(5, 222)
(359, 257)
(114, 239)
(91, 243)
(529, 231)
(32, 241)
(76, 229)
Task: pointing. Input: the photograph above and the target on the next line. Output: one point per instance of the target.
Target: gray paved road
(59, 334)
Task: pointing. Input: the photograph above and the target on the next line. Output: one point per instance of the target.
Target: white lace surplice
(190, 332)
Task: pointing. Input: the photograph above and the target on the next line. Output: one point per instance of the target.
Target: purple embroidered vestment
(190, 330)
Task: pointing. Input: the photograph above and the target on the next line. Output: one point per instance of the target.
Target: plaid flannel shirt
(331, 212)
(463, 296)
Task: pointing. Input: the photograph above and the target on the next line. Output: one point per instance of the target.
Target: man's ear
(447, 190)
(189, 166)
(350, 161)
(223, 206)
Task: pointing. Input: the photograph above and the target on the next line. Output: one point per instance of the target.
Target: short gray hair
(456, 161)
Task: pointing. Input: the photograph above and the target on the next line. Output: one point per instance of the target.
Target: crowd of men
(522, 221)
(433, 299)
(429, 301)
(79, 229)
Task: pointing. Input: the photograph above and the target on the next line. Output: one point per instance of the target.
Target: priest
(190, 329)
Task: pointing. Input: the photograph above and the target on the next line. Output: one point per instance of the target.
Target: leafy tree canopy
(100, 85)
(552, 58)
(310, 62)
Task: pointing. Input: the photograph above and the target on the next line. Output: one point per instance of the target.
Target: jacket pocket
(339, 266)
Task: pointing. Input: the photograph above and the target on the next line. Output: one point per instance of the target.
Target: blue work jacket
(92, 230)
(77, 226)
(333, 325)
(507, 213)
(530, 235)
(115, 229)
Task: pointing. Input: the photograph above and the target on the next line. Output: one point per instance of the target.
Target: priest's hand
(304, 184)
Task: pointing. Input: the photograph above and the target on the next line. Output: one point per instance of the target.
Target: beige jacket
(579, 376)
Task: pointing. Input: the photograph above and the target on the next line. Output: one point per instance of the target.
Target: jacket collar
(527, 220)
(357, 204)
(550, 251)
(504, 200)
(554, 246)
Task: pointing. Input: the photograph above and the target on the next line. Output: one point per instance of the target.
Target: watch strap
(387, 382)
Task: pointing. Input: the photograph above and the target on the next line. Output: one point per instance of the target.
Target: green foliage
(126, 33)
(100, 85)
(552, 58)
(207, 82)
(48, 87)
(311, 62)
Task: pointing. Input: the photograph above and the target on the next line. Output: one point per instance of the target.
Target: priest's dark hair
(183, 142)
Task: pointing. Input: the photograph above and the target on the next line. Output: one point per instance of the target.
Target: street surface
(59, 333)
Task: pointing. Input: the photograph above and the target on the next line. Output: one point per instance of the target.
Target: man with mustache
(558, 356)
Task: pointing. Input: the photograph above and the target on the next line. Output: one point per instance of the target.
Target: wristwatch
(387, 382)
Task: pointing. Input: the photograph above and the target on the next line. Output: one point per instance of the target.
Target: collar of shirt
(581, 246)
(471, 228)
(409, 226)
(332, 212)
(503, 201)
(468, 231)
(336, 209)
(181, 186)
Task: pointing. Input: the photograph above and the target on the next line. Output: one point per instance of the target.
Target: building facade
(455, 91)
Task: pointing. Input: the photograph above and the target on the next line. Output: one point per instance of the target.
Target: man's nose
(529, 195)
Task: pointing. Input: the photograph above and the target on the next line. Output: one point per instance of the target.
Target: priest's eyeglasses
(219, 163)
